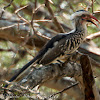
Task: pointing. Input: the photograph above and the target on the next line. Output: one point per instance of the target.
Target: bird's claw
(61, 63)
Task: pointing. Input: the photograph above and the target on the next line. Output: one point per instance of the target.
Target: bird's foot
(79, 52)
(61, 63)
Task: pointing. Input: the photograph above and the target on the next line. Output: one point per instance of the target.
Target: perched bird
(62, 43)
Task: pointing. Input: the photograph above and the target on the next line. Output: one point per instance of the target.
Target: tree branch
(88, 79)
(5, 8)
(44, 74)
(49, 72)
(60, 29)
(93, 36)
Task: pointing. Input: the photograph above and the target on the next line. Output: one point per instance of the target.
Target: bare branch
(60, 84)
(60, 29)
(93, 36)
(5, 8)
(63, 90)
(45, 73)
(9, 50)
(16, 12)
(50, 72)
(88, 79)
(92, 6)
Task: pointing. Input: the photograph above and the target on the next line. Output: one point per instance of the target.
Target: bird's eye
(83, 15)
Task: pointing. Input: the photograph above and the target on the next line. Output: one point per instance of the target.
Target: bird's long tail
(21, 70)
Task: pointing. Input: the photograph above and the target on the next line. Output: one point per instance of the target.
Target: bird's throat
(81, 27)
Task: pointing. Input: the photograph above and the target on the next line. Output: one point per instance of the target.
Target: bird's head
(82, 16)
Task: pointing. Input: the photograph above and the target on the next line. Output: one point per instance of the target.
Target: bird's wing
(50, 45)
(53, 49)
(67, 44)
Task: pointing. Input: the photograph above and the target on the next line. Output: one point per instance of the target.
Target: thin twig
(50, 1)
(45, 20)
(64, 90)
(35, 4)
(38, 33)
(9, 50)
(20, 90)
(28, 51)
(5, 8)
(16, 12)
(92, 6)
(35, 21)
(93, 36)
(60, 29)
(33, 14)
(30, 22)
(70, 5)
(43, 36)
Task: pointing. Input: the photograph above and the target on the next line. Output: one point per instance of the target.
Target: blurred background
(20, 42)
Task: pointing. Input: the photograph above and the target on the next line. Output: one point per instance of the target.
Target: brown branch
(92, 6)
(88, 79)
(53, 71)
(30, 22)
(9, 50)
(70, 5)
(33, 15)
(93, 36)
(5, 8)
(64, 89)
(20, 90)
(60, 84)
(57, 84)
(16, 12)
(60, 29)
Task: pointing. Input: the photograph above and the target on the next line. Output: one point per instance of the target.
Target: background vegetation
(20, 44)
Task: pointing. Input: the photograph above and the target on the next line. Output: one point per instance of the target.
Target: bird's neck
(81, 27)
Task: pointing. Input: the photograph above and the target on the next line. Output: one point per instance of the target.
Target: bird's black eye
(83, 15)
